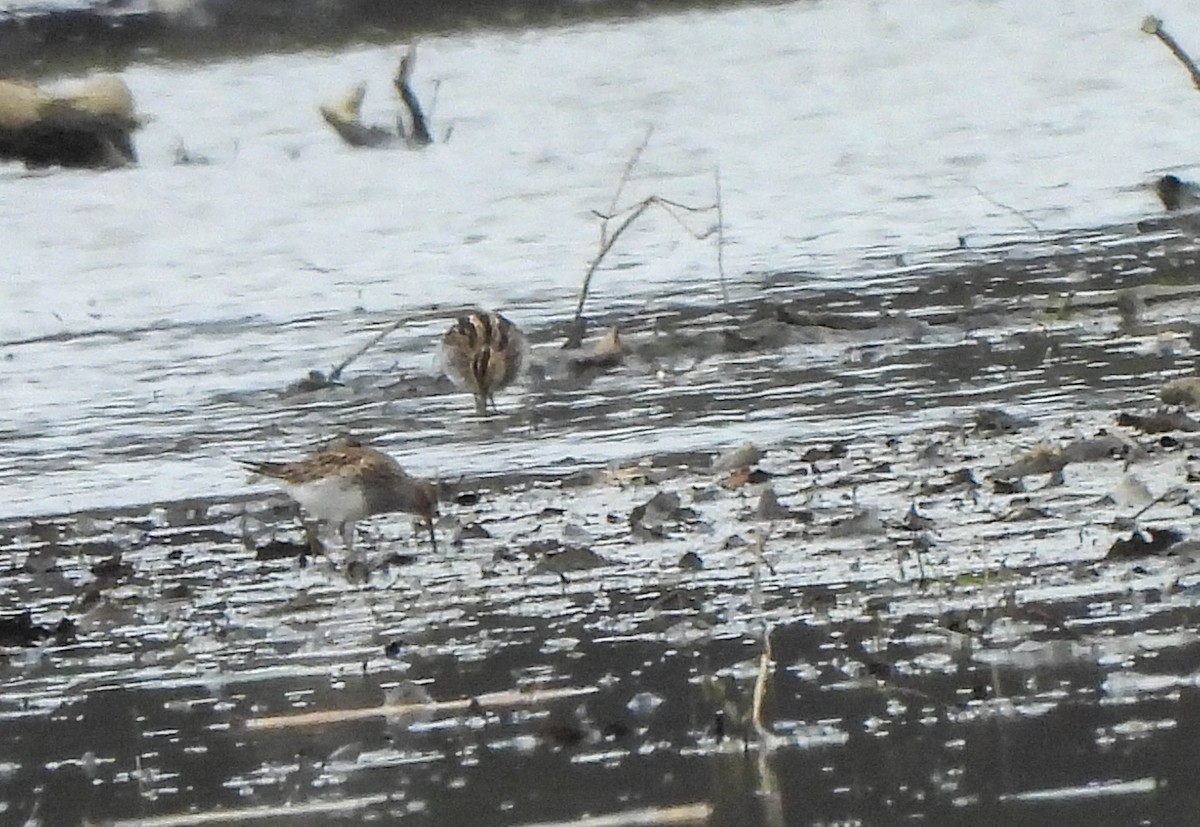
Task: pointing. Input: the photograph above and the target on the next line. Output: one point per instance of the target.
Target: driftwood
(344, 114)
(90, 127)
(419, 134)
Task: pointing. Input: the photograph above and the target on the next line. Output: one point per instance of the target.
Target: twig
(1153, 25)
(491, 699)
(336, 373)
(649, 817)
(669, 206)
(607, 240)
(761, 682)
(1170, 492)
(720, 237)
(1012, 210)
(768, 781)
(575, 337)
(626, 174)
(260, 812)
(634, 213)
(605, 246)
(420, 127)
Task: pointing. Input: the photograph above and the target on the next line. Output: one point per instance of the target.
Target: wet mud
(952, 577)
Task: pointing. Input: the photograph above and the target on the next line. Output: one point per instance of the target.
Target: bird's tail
(267, 469)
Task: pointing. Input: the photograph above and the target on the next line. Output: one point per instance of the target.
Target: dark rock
(20, 630)
(1159, 422)
(996, 421)
(280, 550)
(572, 559)
(1145, 542)
(835, 450)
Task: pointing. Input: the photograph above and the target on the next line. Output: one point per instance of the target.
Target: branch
(420, 127)
(634, 213)
(720, 237)
(1024, 217)
(626, 173)
(1153, 25)
(336, 373)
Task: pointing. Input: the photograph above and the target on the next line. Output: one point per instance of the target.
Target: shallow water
(845, 133)
(993, 662)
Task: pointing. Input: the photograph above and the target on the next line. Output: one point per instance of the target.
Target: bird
(347, 481)
(483, 352)
(1176, 194)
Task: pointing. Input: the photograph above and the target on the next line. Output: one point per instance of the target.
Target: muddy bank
(951, 580)
(37, 39)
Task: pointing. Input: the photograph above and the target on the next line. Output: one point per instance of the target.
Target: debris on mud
(741, 457)
(998, 421)
(281, 550)
(1040, 460)
(1145, 542)
(864, 522)
(607, 354)
(1183, 391)
(655, 518)
(897, 592)
(1161, 421)
(769, 508)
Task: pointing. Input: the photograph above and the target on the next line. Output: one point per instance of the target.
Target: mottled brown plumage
(346, 482)
(483, 352)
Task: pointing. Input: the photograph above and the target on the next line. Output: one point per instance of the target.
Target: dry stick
(768, 780)
(764, 661)
(575, 338)
(649, 817)
(760, 689)
(636, 211)
(262, 811)
(626, 174)
(721, 238)
(1012, 210)
(490, 700)
(336, 373)
(420, 127)
(1153, 25)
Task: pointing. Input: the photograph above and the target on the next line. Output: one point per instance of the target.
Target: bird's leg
(432, 536)
(481, 400)
(347, 532)
(313, 538)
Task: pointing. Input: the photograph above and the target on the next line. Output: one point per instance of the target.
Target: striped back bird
(483, 352)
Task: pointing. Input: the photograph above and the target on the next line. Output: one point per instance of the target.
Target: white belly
(331, 499)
